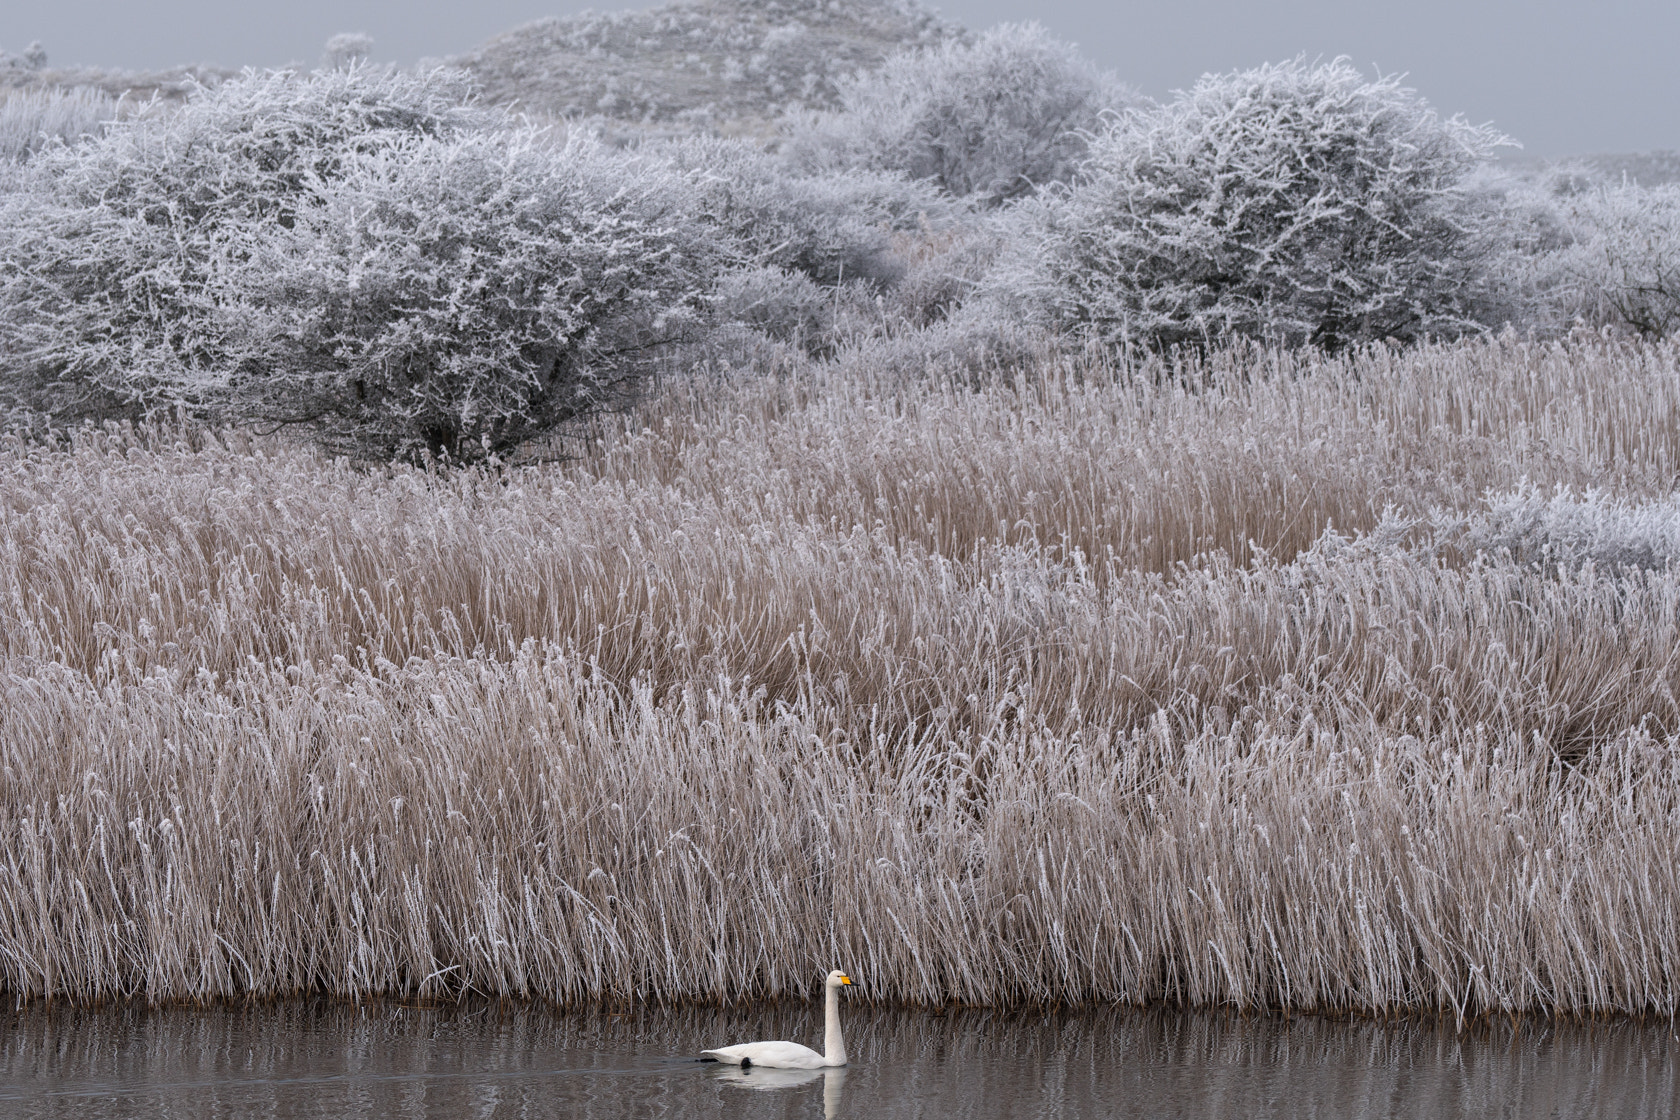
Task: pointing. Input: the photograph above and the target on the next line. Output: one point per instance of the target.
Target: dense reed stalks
(1052, 687)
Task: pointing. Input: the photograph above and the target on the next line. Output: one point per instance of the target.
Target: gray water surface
(479, 1059)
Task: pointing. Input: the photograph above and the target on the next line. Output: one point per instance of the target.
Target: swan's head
(838, 979)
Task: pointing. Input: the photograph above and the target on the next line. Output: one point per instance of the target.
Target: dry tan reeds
(981, 691)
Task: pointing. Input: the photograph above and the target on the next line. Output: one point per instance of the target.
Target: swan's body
(791, 1055)
(772, 1055)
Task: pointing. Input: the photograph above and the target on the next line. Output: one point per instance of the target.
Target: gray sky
(1563, 76)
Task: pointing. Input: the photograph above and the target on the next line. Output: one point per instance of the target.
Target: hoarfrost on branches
(1566, 530)
(995, 119)
(378, 258)
(1622, 265)
(357, 251)
(830, 227)
(1296, 203)
(34, 57)
(1578, 250)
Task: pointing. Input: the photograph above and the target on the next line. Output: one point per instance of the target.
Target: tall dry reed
(1048, 688)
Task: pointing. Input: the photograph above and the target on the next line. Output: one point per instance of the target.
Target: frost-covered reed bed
(31, 119)
(981, 692)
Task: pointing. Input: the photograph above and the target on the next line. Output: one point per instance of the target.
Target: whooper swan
(791, 1055)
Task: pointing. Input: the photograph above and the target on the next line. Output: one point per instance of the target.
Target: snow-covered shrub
(966, 348)
(1565, 529)
(820, 257)
(33, 57)
(1558, 531)
(116, 285)
(354, 250)
(1528, 226)
(830, 227)
(467, 295)
(1576, 250)
(786, 306)
(1297, 203)
(347, 48)
(943, 268)
(994, 119)
(791, 309)
(1621, 266)
(31, 119)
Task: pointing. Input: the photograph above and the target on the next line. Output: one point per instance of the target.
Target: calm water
(323, 1059)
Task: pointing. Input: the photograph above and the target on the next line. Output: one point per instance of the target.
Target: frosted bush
(1566, 530)
(1295, 203)
(831, 227)
(1556, 531)
(994, 119)
(1576, 250)
(786, 306)
(348, 48)
(1522, 286)
(467, 296)
(33, 57)
(943, 270)
(823, 259)
(965, 348)
(355, 251)
(1622, 266)
(116, 290)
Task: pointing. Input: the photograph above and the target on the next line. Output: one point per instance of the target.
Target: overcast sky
(1563, 76)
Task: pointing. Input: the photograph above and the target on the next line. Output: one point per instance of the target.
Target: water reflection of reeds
(323, 1058)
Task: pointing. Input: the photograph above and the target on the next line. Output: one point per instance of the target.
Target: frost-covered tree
(354, 250)
(1298, 203)
(466, 296)
(994, 119)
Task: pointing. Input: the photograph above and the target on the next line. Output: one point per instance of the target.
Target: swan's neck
(834, 1047)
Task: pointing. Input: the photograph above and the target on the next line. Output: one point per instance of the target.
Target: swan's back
(772, 1055)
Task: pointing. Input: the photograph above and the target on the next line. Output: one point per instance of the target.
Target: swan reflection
(757, 1077)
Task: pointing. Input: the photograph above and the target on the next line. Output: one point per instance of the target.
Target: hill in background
(724, 66)
(729, 66)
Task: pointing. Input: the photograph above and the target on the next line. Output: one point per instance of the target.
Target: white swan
(791, 1055)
